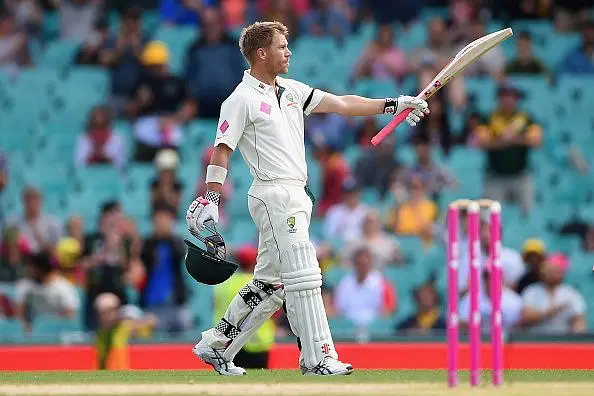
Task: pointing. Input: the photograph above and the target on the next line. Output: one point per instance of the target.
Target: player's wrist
(390, 105)
(213, 196)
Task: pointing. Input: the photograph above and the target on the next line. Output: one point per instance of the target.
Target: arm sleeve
(232, 121)
(309, 97)
(69, 298)
(578, 304)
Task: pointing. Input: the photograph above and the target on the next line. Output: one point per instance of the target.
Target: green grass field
(290, 382)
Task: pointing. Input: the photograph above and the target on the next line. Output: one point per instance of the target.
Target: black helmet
(209, 266)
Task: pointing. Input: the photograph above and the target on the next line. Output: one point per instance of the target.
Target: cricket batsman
(264, 118)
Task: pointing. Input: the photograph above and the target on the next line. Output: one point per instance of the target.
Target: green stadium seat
(53, 326)
(11, 331)
(59, 53)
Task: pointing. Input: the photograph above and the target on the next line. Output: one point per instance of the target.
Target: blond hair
(259, 35)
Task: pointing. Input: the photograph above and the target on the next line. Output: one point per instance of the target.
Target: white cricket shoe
(214, 357)
(328, 366)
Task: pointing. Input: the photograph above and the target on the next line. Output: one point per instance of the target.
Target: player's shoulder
(290, 83)
(240, 95)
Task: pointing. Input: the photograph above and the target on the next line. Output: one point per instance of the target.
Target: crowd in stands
(51, 260)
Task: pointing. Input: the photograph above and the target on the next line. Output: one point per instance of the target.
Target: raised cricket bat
(467, 56)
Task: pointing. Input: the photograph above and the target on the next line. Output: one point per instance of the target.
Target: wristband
(213, 196)
(215, 174)
(390, 105)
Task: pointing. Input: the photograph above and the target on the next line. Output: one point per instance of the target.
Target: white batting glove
(419, 108)
(202, 210)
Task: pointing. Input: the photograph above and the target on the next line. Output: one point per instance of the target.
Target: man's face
(436, 30)
(131, 25)
(212, 25)
(277, 55)
(524, 48)
(32, 202)
(351, 198)
(362, 263)
(427, 297)
(6, 26)
(163, 222)
(508, 102)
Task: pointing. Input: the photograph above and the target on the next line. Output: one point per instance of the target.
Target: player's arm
(233, 119)
(353, 105)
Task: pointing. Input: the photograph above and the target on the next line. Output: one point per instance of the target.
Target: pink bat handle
(381, 135)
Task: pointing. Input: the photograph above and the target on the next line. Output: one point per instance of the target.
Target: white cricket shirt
(266, 123)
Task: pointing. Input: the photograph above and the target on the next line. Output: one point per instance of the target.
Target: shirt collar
(254, 82)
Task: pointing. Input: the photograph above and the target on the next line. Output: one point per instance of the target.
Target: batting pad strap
(227, 329)
(304, 279)
(216, 174)
(251, 298)
(265, 287)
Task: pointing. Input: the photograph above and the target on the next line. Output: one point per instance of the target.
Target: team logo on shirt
(291, 100)
(291, 224)
(224, 126)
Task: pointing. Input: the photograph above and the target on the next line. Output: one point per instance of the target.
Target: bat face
(467, 56)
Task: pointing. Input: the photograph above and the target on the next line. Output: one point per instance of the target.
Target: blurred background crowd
(108, 111)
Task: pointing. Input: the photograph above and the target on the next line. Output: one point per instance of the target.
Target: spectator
(508, 137)
(327, 129)
(100, 144)
(107, 268)
(580, 60)
(40, 230)
(491, 63)
(117, 324)
(378, 167)
(382, 59)
(364, 295)
(344, 220)
(428, 60)
(164, 293)
(512, 265)
(256, 352)
(44, 292)
(417, 215)
(525, 61)
(166, 188)
(28, 15)
(335, 172)
(75, 229)
(183, 12)
(14, 52)
(212, 85)
(121, 54)
(552, 306)
(385, 250)
(534, 255)
(77, 17)
(325, 19)
(89, 52)
(435, 177)
(68, 252)
(13, 250)
(436, 128)
(297, 7)
(109, 218)
(511, 306)
(428, 317)
(3, 184)
(227, 188)
(162, 104)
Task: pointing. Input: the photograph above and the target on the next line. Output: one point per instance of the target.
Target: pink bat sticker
(224, 126)
(265, 107)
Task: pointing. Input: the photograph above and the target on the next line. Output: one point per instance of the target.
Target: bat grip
(381, 135)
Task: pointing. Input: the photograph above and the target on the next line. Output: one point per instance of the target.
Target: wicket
(496, 283)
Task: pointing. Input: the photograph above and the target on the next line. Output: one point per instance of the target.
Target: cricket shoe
(214, 357)
(328, 366)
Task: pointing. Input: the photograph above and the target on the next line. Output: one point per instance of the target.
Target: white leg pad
(255, 303)
(302, 278)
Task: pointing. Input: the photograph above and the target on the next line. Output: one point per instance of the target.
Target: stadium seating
(42, 130)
